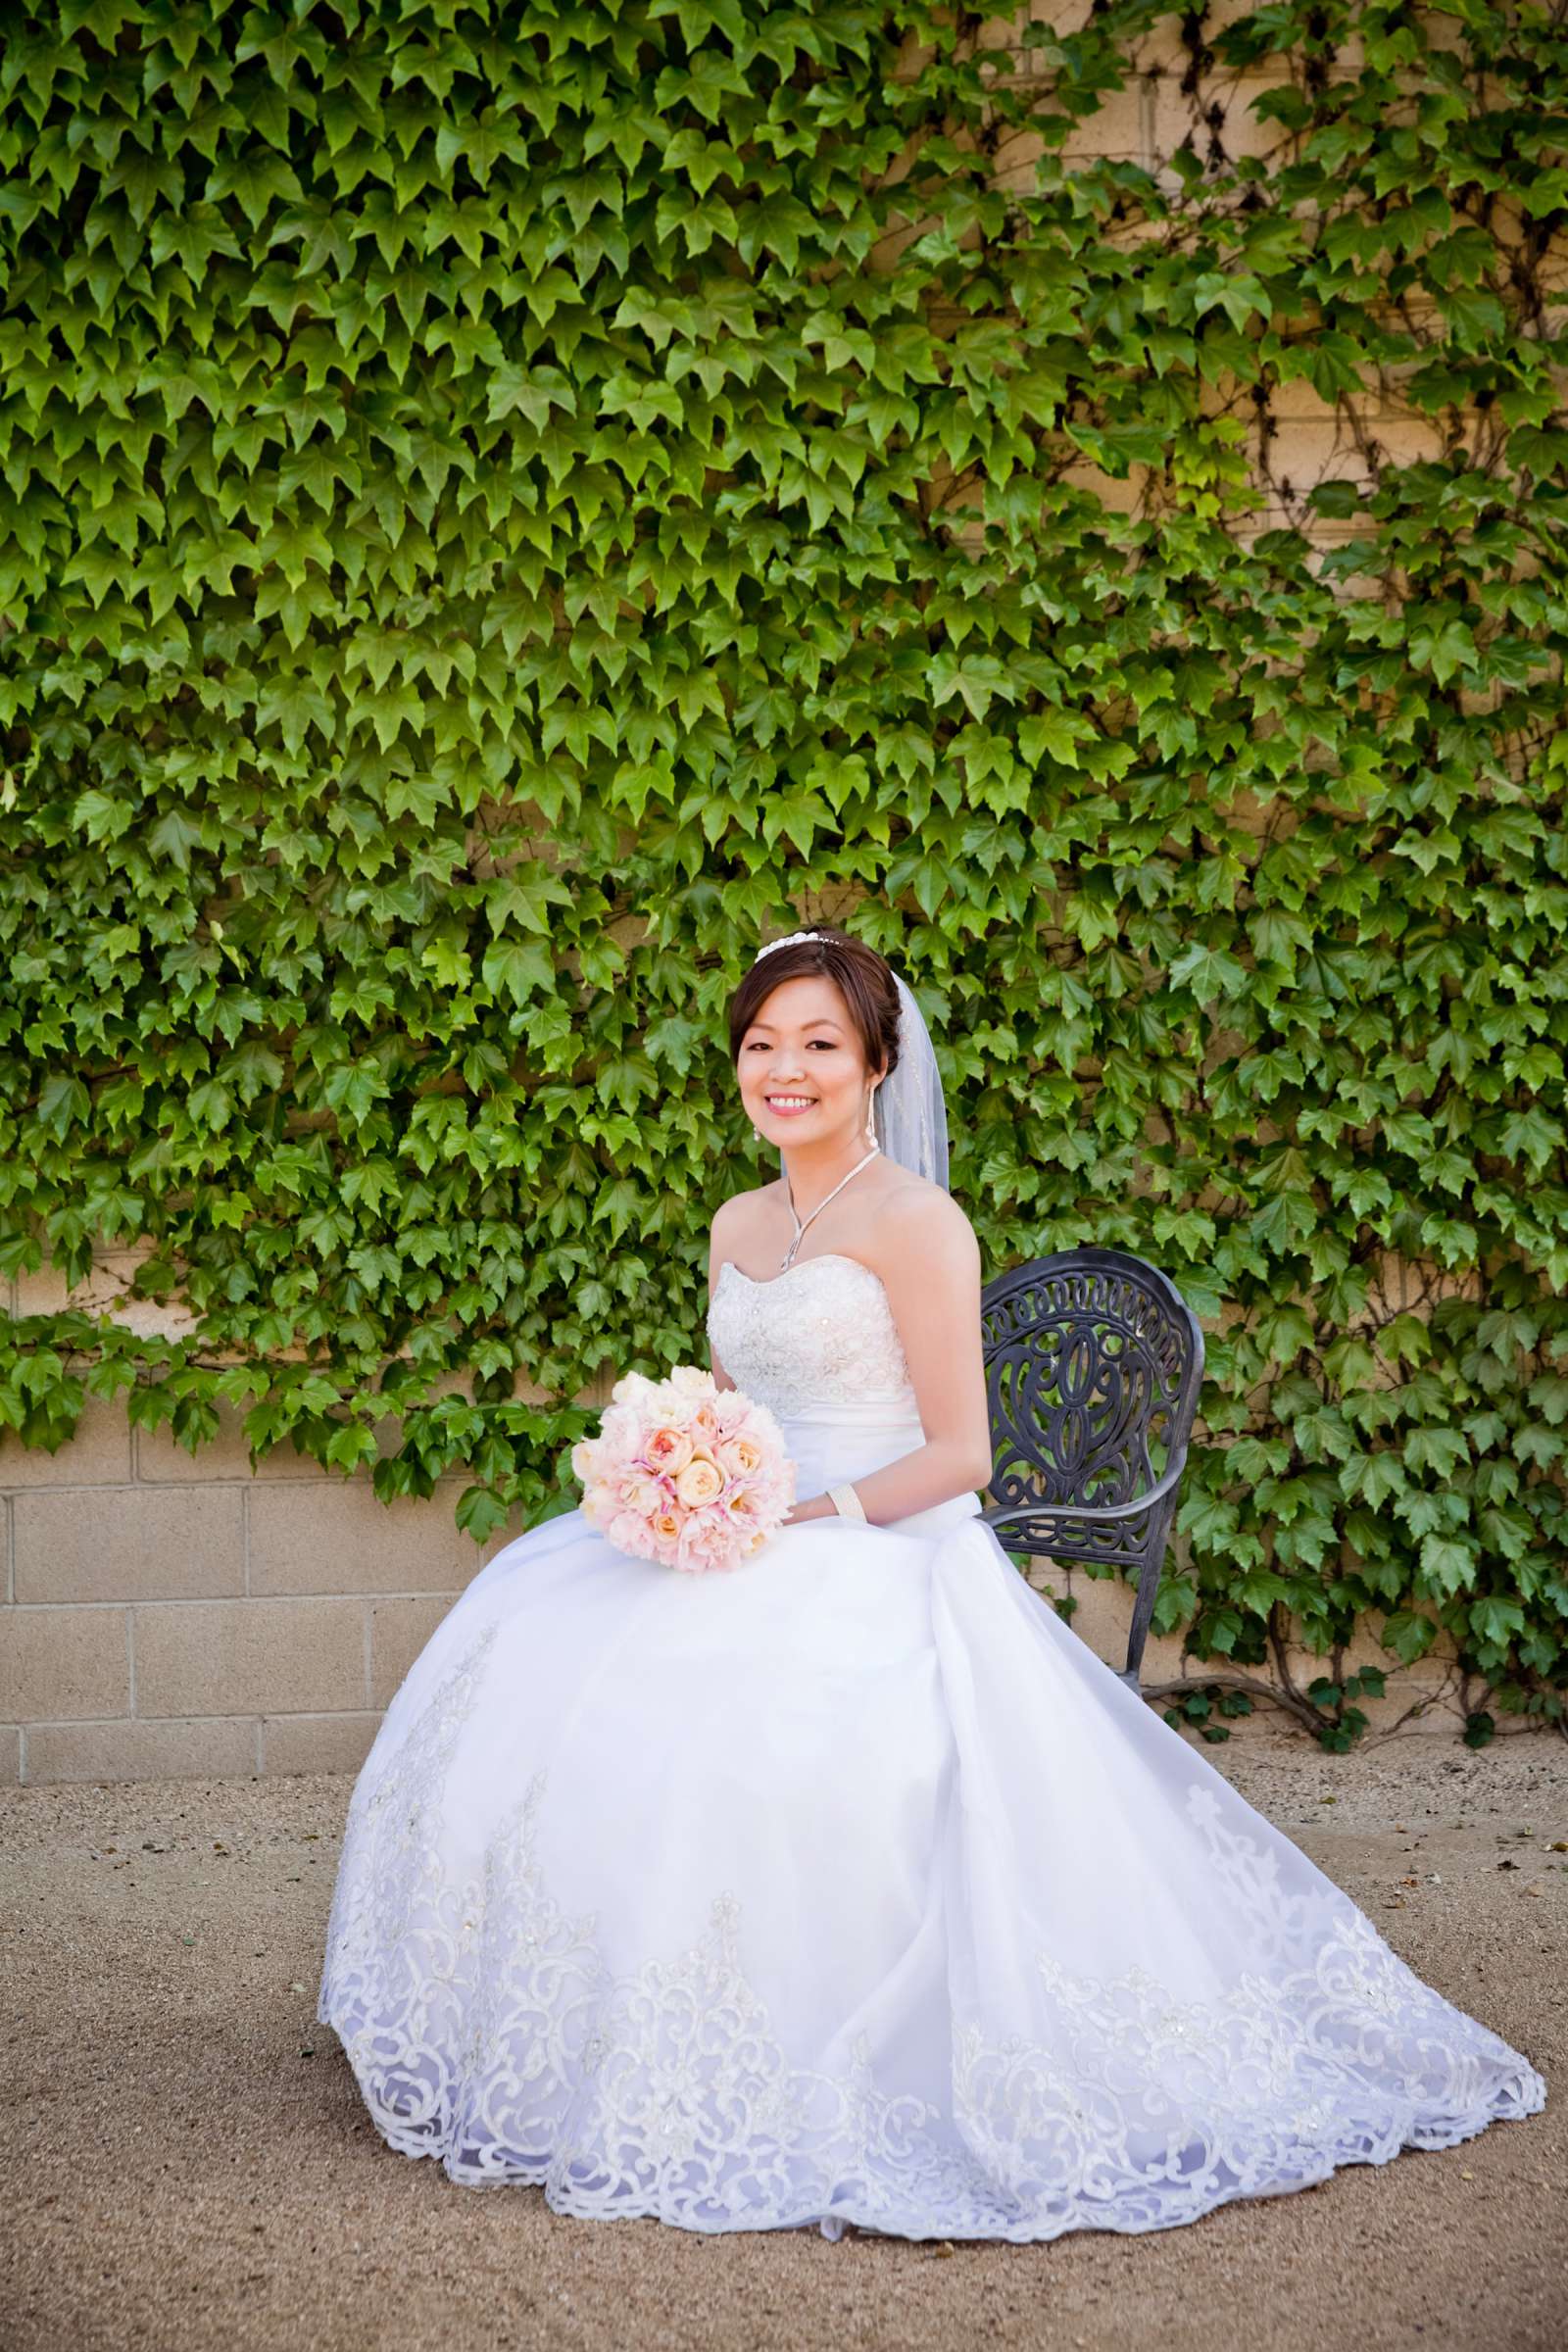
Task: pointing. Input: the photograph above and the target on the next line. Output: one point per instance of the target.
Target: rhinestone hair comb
(788, 940)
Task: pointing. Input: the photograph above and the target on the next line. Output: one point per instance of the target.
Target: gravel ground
(186, 2161)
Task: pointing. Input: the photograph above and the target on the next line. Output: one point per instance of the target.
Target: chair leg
(1144, 1606)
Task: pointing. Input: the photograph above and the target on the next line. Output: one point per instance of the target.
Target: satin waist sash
(835, 1442)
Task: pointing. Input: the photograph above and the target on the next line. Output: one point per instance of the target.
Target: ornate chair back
(1094, 1363)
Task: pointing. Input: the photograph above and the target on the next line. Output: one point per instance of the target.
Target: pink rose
(705, 1546)
(667, 1449)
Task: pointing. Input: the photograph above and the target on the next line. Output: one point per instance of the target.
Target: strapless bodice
(818, 1346)
(820, 1334)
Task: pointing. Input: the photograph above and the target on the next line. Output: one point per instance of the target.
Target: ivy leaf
(211, 1104)
(99, 816)
(1531, 1134)
(1053, 734)
(1446, 1567)
(294, 704)
(519, 969)
(256, 180)
(479, 1513)
(525, 897)
(978, 679)
(1212, 973)
(530, 392)
(1497, 1619)
(174, 836)
(1408, 1635)
(64, 1103)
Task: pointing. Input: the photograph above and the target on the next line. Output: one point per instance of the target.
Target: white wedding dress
(848, 1885)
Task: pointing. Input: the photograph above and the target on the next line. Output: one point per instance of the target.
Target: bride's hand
(817, 1507)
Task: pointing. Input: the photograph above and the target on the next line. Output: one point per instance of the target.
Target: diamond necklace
(800, 1229)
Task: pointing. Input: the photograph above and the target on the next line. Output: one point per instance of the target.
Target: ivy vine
(503, 507)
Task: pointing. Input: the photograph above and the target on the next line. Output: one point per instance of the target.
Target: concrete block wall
(168, 1615)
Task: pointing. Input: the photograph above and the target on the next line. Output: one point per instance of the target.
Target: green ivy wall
(503, 507)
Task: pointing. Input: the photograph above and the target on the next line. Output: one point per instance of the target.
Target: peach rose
(699, 1482)
(741, 1454)
(669, 1449)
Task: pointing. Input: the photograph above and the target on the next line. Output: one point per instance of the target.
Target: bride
(850, 1886)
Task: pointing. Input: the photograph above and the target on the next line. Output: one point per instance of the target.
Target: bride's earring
(870, 1124)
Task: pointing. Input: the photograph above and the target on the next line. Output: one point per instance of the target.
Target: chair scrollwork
(1094, 1363)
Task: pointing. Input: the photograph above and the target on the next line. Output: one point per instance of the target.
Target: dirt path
(185, 2161)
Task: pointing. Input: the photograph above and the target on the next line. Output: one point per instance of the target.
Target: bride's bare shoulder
(738, 1203)
(733, 1218)
(918, 1218)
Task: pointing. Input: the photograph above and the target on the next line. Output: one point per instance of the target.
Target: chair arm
(1166, 1484)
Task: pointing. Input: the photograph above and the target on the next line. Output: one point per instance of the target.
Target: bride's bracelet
(847, 1503)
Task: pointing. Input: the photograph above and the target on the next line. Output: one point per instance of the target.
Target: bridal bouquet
(685, 1472)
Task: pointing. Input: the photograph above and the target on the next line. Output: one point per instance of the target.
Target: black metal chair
(1093, 1358)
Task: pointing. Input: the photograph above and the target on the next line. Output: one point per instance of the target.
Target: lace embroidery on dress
(823, 1332)
(485, 2028)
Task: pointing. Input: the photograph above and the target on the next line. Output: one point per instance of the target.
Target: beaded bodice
(820, 1334)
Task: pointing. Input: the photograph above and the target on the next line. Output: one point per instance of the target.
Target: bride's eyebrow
(822, 1020)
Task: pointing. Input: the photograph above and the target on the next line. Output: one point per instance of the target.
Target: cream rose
(699, 1482)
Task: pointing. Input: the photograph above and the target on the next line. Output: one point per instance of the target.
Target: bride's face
(803, 1047)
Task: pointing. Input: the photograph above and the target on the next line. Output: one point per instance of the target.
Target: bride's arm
(929, 1261)
(717, 1252)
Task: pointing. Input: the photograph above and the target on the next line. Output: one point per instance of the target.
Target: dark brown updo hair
(861, 976)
